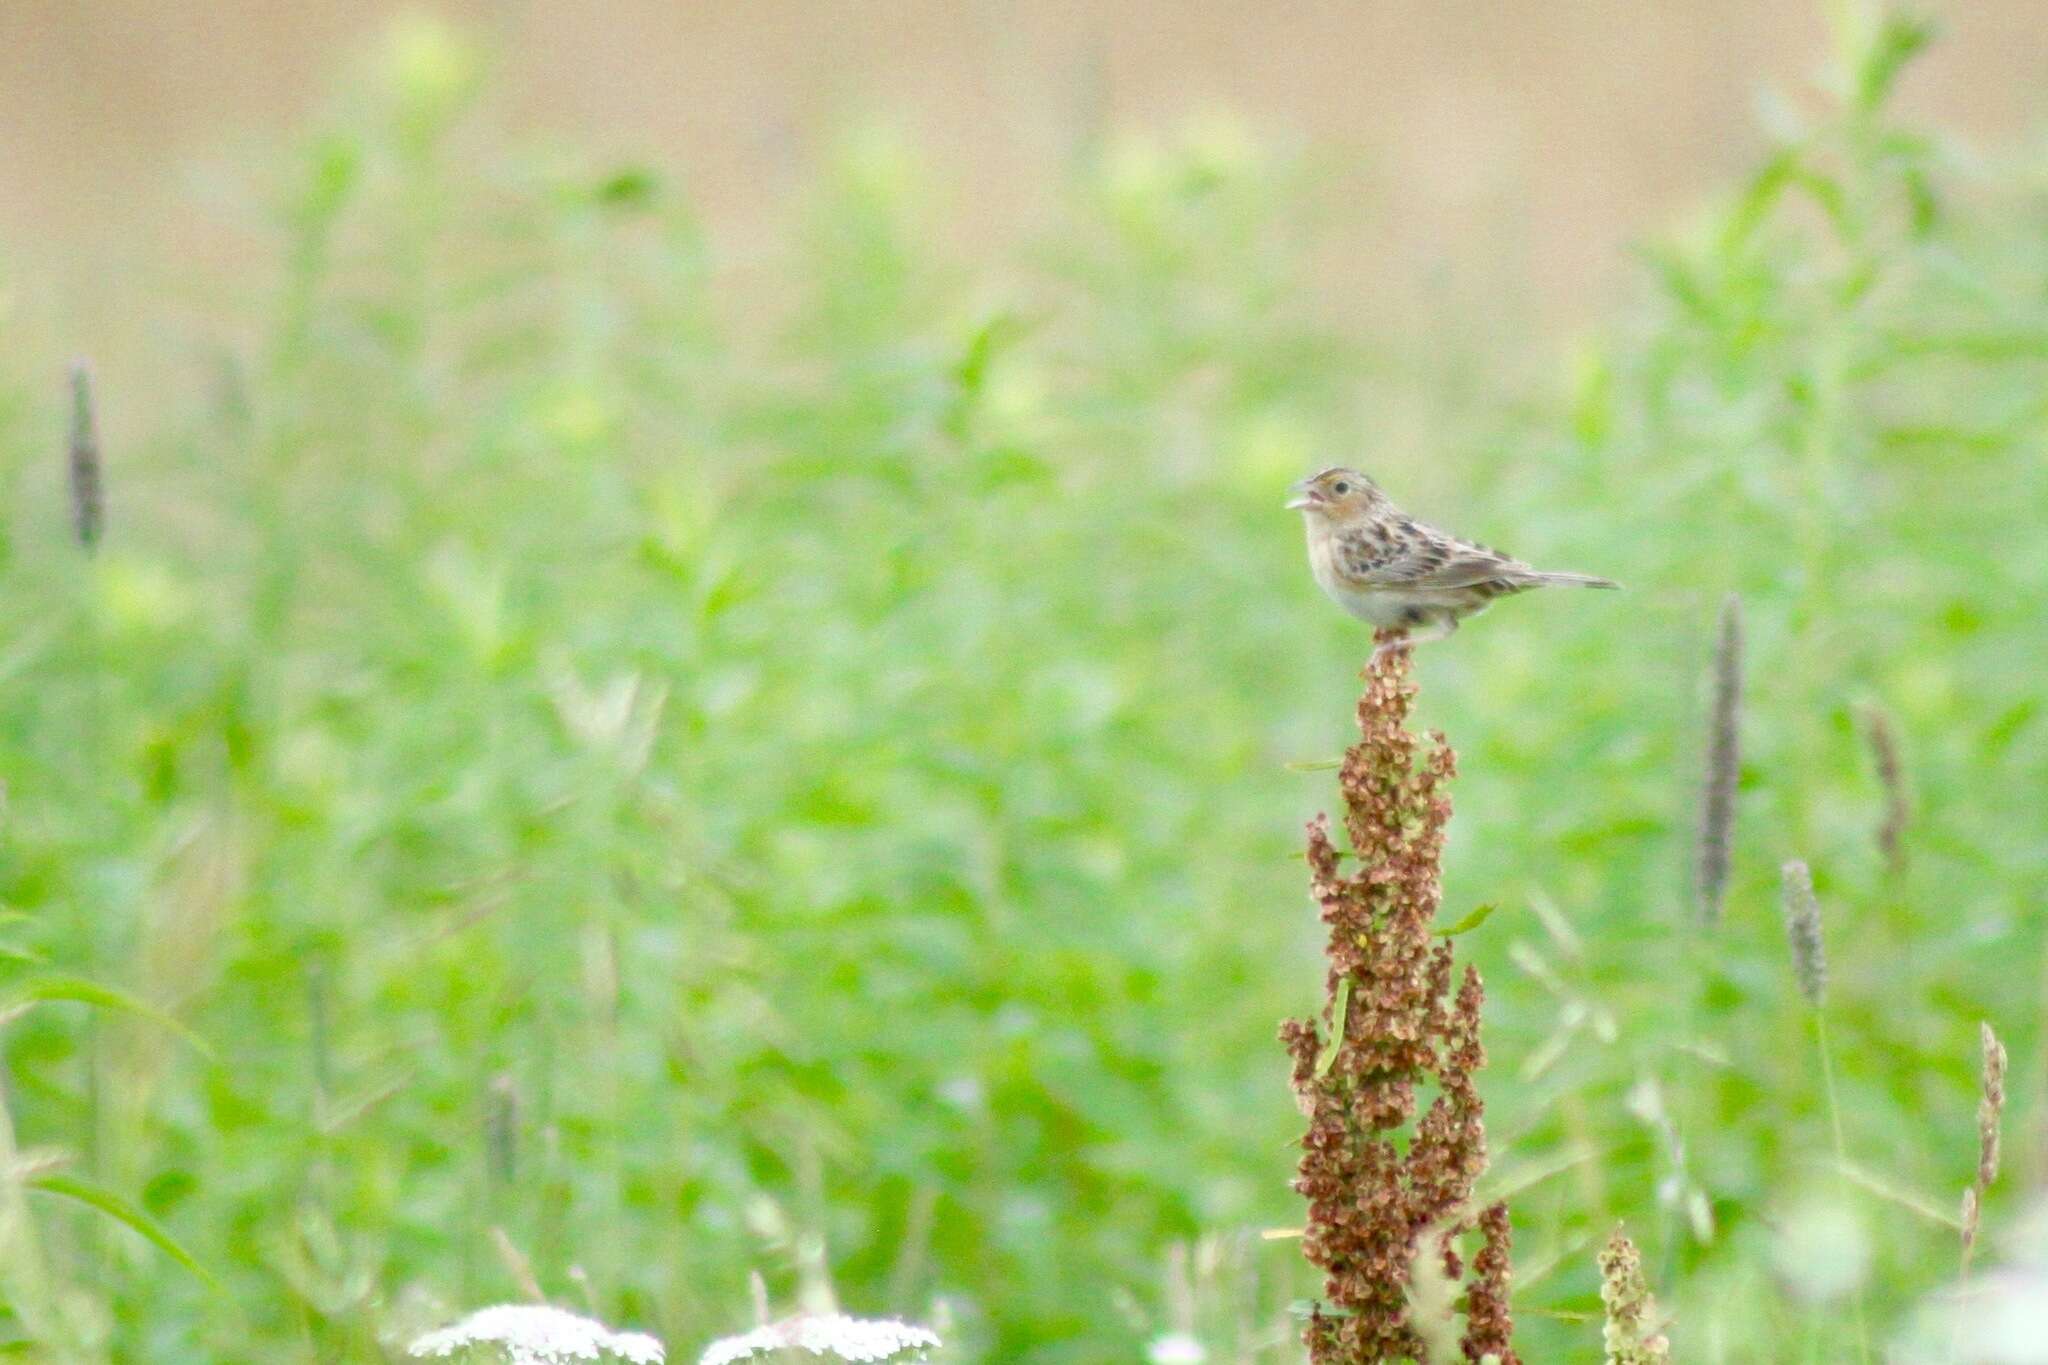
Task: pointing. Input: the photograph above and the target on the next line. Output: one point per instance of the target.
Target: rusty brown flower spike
(1392, 1025)
(1723, 767)
(88, 498)
(1489, 1327)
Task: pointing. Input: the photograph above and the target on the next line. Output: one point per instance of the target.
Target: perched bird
(1385, 567)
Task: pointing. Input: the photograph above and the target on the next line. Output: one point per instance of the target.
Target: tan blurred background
(1509, 145)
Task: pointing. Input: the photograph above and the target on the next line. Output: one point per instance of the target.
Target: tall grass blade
(78, 990)
(124, 1213)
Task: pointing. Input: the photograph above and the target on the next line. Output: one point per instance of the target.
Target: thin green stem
(1827, 1078)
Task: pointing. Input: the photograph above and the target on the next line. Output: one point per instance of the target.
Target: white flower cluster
(826, 1334)
(528, 1334)
(1176, 1348)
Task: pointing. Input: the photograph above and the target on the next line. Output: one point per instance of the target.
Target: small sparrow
(1383, 566)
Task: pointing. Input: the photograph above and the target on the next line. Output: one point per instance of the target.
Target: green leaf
(1899, 39)
(1472, 920)
(1338, 1011)
(1758, 199)
(80, 991)
(989, 340)
(124, 1213)
(630, 187)
(1314, 765)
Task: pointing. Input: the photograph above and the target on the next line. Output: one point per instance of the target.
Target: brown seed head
(1488, 1325)
(1391, 1023)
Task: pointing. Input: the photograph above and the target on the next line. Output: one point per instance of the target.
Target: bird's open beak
(1304, 497)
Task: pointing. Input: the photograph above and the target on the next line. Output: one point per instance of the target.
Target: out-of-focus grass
(680, 777)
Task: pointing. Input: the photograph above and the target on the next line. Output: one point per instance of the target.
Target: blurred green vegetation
(691, 767)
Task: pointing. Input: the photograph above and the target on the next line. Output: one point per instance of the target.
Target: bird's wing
(1404, 553)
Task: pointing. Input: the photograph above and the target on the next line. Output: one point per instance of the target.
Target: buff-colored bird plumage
(1399, 574)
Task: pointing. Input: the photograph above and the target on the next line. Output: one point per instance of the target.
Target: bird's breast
(1362, 602)
(1322, 558)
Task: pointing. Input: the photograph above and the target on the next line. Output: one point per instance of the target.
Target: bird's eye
(1340, 488)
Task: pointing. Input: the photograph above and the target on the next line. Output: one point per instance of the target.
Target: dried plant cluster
(1633, 1334)
(1392, 1024)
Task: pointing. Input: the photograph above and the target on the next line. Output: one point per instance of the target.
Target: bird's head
(1337, 494)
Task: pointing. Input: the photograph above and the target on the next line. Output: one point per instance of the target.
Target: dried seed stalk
(1633, 1336)
(1394, 1025)
(1489, 1327)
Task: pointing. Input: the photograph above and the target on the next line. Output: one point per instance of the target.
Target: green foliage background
(694, 768)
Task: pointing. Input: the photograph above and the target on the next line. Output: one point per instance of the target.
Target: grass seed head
(1882, 737)
(1802, 931)
(1990, 1107)
(88, 495)
(1723, 766)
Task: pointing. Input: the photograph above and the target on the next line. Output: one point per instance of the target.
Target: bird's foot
(1386, 642)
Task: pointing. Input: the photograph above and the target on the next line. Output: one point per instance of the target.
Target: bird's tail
(1575, 580)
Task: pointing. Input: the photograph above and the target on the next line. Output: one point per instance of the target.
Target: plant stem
(1827, 1077)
